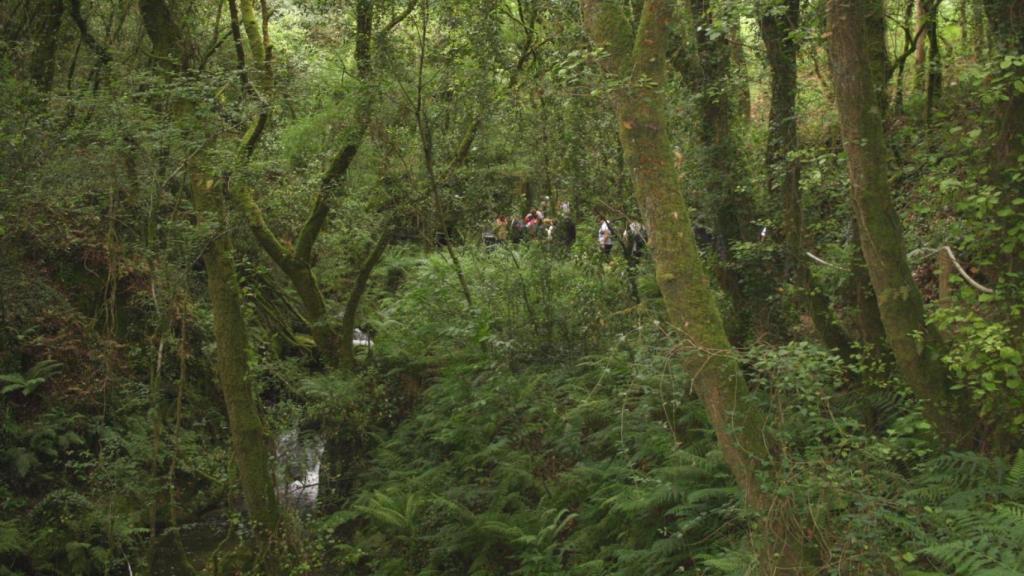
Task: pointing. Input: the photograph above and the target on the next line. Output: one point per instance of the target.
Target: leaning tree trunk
(868, 319)
(738, 421)
(348, 319)
(297, 263)
(781, 49)
(915, 345)
(249, 442)
(870, 330)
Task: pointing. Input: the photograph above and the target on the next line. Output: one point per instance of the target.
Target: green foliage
(28, 382)
(978, 527)
(532, 303)
(546, 429)
(987, 361)
(532, 465)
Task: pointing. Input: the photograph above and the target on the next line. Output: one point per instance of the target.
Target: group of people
(536, 226)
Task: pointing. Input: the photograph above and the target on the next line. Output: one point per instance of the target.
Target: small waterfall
(361, 338)
(298, 467)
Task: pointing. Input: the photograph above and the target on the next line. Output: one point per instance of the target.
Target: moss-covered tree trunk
(297, 263)
(875, 28)
(870, 331)
(639, 63)
(249, 443)
(915, 345)
(868, 318)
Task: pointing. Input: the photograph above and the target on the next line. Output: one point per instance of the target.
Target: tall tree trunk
(41, 64)
(869, 320)
(249, 443)
(875, 27)
(934, 85)
(915, 345)
(739, 61)
(172, 49)
(731, 207)
(921, 48)
(980, 31)
(781, 48)
(1006, 20)
(901, 64)
(639, 61)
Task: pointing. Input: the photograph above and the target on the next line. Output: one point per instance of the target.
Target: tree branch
(83, 28)
(398, 18)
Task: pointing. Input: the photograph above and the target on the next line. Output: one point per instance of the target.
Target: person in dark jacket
(565, 228)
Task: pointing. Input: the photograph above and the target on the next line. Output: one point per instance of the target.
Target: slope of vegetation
(809, 362)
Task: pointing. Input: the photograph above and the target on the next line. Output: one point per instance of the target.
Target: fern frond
(1016, 474)
(11, 539)
(717, 493)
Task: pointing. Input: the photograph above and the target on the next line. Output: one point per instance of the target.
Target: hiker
(604, 235)
(533, 222)
(490, 238)
(565, 228)
(518, 231)
(547, 228)
(501, 229)
(634, 240)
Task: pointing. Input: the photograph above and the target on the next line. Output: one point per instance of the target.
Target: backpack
(518, 231)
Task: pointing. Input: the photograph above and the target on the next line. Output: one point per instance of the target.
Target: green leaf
(1011, 354)
(23, 462)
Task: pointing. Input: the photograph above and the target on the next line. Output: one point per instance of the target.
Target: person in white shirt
(604, 236)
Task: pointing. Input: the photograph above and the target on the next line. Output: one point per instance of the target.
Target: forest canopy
(512, 287)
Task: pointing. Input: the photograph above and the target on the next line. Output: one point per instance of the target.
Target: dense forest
(512, 287)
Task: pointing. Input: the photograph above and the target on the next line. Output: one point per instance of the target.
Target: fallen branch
(825, 262)
(928, 252)
(964, 273)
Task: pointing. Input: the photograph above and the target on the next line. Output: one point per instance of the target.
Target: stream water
(189, 547)
(297, 457)
(298, 463)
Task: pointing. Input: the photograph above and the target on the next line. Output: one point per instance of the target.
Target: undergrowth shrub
(535, 452)
(882, 499)
(555, 470)
(530, 303)
(559, 436)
